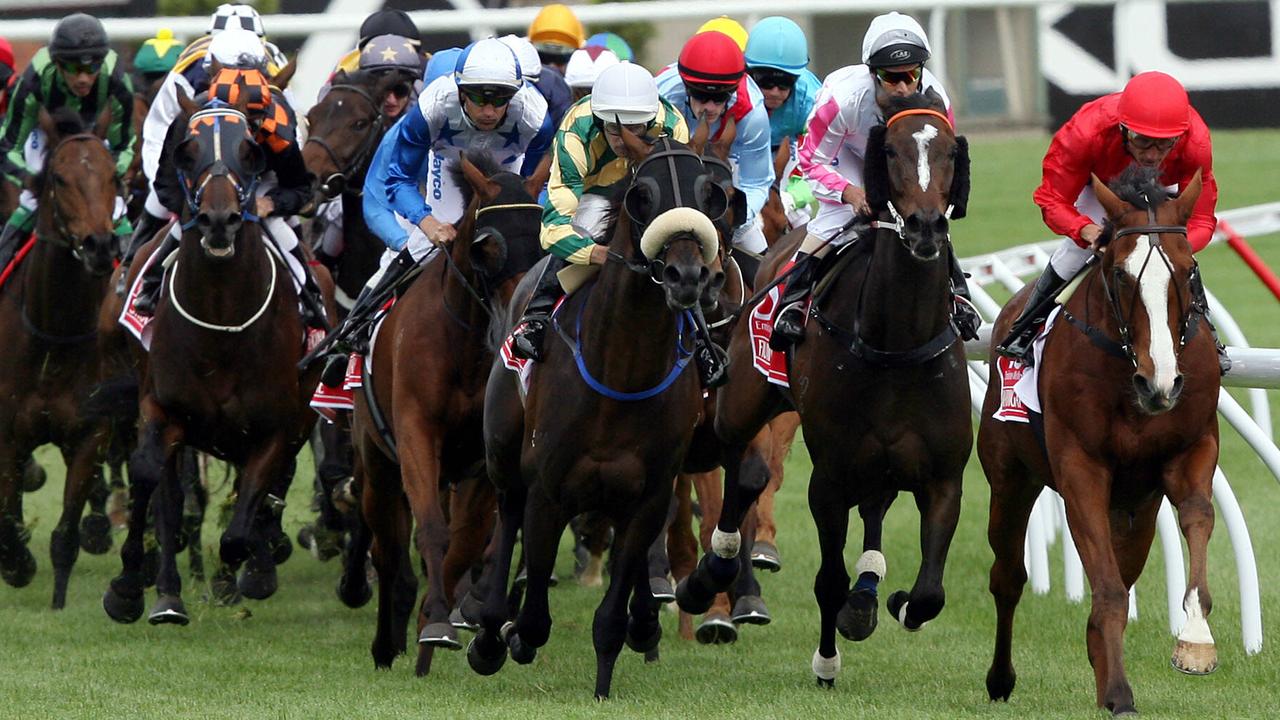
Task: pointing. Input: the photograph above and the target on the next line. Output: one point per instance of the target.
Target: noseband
(898, 225)
(668, 152)
(216, 119)
(63, 236)
(337, 182)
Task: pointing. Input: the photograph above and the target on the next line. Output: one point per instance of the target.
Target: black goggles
(718, 94)
(486, 95)
(90, 67)
(769, 78)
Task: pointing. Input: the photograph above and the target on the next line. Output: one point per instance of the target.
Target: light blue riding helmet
(441, 63)
(777, 42)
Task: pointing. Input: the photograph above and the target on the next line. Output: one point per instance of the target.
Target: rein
(478, 295)
(361, 157)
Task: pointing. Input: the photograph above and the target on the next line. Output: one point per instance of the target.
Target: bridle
(63, 237)
(217, 118)
(482, 233)
(336, 183)
(638, 262)
(898, 224)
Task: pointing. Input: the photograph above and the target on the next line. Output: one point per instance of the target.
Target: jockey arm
(1066, 171)
(277, 136)
(120, 135)
(159, 117)
(569, 166)
(379, 217)
(24, 109)
(538, 146)
(410, 144)
(1197, 154)
(823, 138)
(755, 159)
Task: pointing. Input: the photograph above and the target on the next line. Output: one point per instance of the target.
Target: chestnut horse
(48, 313)
(1129, 387)
(220, 376)
(610, 412)
(417, 431)
(883, 339)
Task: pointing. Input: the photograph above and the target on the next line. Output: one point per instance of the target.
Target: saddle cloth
(1019, 385)
(328, 401)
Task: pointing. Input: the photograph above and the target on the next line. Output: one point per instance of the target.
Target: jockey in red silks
(1150, 123)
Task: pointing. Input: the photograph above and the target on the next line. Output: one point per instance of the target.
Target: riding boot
(530, 332)
(350, 334)
(966, 316)
(313, 314)
(148, 226)
(1017, 345)
(153, 277)
(788, 326)
(1201, 303)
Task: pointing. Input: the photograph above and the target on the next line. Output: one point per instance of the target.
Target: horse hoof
(897, 607)
(662, 590)
(150, 566)
(458, 619)
(122, 608)
(694, 601)
(643, 637)
(33, 476)
(1194, 658)
(1124, 711)
(281, 548)
(827, 684)
(764, 556)
(468, 613)
(521, 652)
(482, 664)
(168, 610)
(258, 584)
(355, 595)
(441, 635)
(95, 534)
(1000, 684)
(716, 630)
(858, 617)
(23, 568)
(750, 609)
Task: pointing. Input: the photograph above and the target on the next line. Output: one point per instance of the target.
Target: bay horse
(48, 313)
(220, 376)
(1129, 387)
(417, 430)
(609, 414)
(884, 342)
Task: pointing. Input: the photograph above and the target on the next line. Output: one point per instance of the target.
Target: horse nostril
(1142, 386)
(670, 275)
(203, 220)
(703, 275)
(940, 226)
(1177, 388)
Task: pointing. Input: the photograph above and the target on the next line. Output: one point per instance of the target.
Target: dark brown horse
(1128, 386)
(610, 412)
(882, 341)
(49, 366)
(220, 376)
(418, 433)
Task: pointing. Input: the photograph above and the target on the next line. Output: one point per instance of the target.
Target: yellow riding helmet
(557, 25)
(728, 26)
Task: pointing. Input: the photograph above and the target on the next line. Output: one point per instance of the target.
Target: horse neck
(59, 296)
(224, 292)
(904, 301)
(458, 290)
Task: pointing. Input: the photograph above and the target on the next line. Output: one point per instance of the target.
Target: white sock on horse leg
(871, 561)
(726, 545)
(826, 668)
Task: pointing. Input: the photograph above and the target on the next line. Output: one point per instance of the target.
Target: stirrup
(528, 338)
(790, 331)
(967, 318)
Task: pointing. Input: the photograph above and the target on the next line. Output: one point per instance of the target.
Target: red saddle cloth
(1011, 408)
(12, 267)
(522, 367)
(326, 400)
(773, 365)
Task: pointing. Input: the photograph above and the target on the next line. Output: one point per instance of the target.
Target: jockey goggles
(640, 129)
(770, 78)
(718, 94)
(81, 68)
(1142, 142)
(494, 95)
(890, 77)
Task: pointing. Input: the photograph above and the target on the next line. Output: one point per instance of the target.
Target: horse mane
(484, 162)
(1140, 187)
(915, 101)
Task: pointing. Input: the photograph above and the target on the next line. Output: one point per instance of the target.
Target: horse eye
(362, 124)
(59, 180)
(890, 151)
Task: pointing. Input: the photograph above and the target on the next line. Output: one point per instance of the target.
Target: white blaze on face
(1154, 290)
(923, 136)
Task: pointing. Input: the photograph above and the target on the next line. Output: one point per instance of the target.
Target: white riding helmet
(895, 39)
(233, 15)
(526, 54)
(235, 47)
(625, 93)
(585, 65)
(489, 62)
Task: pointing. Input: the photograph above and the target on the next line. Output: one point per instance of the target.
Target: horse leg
(81, 458)
(17, 564)
(749, 607)
(243, 539)
(543, 526)
(939, 505)
(717, 626)
(195, 502)
(859, 615)
(123, 599)
(353, 587)
(659, 563)
(764, 551)
(1012, 499)
(488, 650)
(682, 546)
(471, 519)
(592, 538)
(168, 607)
(1189, 485)
(387, 514)
(95, 527)
(831, 585)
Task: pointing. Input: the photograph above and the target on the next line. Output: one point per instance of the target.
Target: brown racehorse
(220, 376)
(883, 335)
(422, 432)
(610, 412)
(1129, 389)
(49, 366)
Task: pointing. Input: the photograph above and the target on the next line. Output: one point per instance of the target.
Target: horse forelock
(1140, 187)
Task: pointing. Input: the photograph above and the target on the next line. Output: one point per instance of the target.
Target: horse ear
(935, 100)
(1114, 206)
(712, 198)
(185, 101)
(282, 78)
(781, 158)
(639, 200)
(215, 67)
(698, 141)
(186, 154)
(48, 126)
(103, 123)
(538, 180)
(1186, 201)
(339, 78)
(483, 187)
(253, 159)
(959, 195)
(721, 146)
(875, 169)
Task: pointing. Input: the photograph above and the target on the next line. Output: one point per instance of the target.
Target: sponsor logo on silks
(437, 181)
(899, 54)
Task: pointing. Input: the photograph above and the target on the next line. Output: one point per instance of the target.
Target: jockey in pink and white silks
(831, 156)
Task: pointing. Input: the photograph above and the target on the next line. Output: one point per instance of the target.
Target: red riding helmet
(1156, 105)
(711, 58)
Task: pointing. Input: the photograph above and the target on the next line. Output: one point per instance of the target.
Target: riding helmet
(489, 62)
(388, 21)
(526, 54)
(728, 26)
(556, 30)
(236, 15)
(625, 93)
(894, 39)
(585, 65)
(78, 38)
(1156, 105)
(711, 58)
(779, 43)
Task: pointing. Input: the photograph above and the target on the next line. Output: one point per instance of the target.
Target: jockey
(831, 156)
(584, 67)
(8, 73)
(285, 186)
(393, 55)
(710, 81)
(387, 21)
(191, 76)
(588, 163)
(483, 107)
(77, 70)
(556, 32)
(156, 57)
(1150, 123)
(777, 57)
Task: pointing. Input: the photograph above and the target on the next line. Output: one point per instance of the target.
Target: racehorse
(48, 312)
(417, 422)
(220, 374)
(610, 412)
(883, 337)
(1129, 388)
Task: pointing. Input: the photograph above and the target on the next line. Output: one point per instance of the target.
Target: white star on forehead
(923, 136)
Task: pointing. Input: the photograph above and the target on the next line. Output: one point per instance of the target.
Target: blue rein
(683, 355)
